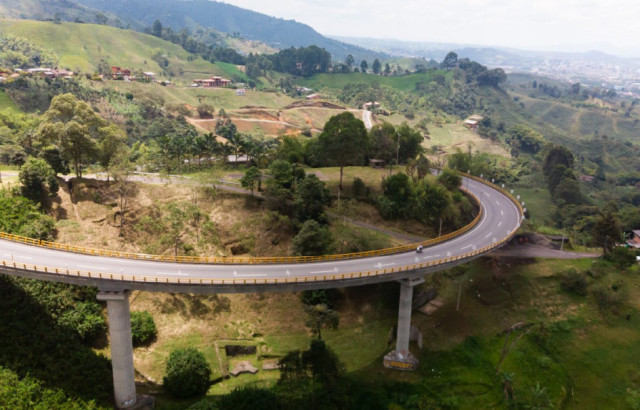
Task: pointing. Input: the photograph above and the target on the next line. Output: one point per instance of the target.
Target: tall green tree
(250, 179)
(364, 66)
(37, 179)
(78, 132)
(606, 231)
(344, 141)
(376, 66)
(310, 199)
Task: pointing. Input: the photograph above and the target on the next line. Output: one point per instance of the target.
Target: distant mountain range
(191, 14)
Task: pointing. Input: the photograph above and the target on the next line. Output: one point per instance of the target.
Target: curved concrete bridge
(116, 273)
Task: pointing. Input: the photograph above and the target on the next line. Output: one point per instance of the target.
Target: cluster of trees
(302, 61)
(17, 52)
(425, 200)
(473, 71)
(184, 39)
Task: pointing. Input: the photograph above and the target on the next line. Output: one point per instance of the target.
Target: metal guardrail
(256, 281)
(265, 281)
(244, 260)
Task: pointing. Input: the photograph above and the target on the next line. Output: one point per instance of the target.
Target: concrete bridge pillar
(124, 385)
(401, 358)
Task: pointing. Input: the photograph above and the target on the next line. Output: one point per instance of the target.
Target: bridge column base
(124, 385)
(401, 358)
(398, 361)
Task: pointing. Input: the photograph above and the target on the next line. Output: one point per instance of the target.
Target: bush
(358, 188)
(143, 328)
(621, 257)
(187, 373)
(86, 319)
(610, 297)
(312, 240)
(573, 281)
(250, 398)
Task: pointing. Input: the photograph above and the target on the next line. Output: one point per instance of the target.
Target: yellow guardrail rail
(264, 260)
(248, 281)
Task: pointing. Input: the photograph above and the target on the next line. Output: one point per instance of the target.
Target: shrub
(143, 328)
(358, 188)
(312, 240)
(573, 281)
(86, 319)
(621, 257)
(187, 373)
(610, 297)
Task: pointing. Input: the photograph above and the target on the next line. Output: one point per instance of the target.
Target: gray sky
(607, 25)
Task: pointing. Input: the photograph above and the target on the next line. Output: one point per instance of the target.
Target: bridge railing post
(124, 386)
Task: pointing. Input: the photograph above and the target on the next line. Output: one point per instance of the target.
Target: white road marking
(501, 212)
(173, 273)
(488, 235)
(334, 270)
(250, 275)
(288, 273)
(380, 265)
(417, 259)
(500, 224)
(429, 257)
(448, 254)
(497, 202)
(466, 247)
(91, 267)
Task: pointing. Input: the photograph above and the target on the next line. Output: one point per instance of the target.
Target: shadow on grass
(33, 343)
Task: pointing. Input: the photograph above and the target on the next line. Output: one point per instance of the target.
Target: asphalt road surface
(500, 218)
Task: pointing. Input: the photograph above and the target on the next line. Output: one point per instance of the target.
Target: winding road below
(500, 218)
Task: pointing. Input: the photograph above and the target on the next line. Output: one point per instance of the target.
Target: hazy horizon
(545, 25)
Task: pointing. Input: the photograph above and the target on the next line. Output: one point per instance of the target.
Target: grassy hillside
(338, 81)
(7, 104)
(81, 47)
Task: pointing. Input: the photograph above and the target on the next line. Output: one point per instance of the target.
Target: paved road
(500, 218)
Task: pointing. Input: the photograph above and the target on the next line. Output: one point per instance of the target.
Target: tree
(606, 231)
(344, 141)
(205, 110)
(349, 61)
(312, 240)
(387, 69)
(450, 179)
(156, 29)
(113, 141)
(76, 130)
(250, 179)
(423, 167)
(382, 142)
(450, 60)
(376, 66)
(320, 316)
(310, 199)
(187, 373)
(101, 19)
(37, 178)
(143, 327)
(410, 143)
(557, 155)
(364, 66)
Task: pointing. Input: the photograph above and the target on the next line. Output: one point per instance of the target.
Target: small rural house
(212, 82)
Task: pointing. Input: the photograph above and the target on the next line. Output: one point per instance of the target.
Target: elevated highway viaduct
(117, 273)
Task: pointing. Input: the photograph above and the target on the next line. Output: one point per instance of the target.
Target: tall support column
(124, 385)
(401, 358)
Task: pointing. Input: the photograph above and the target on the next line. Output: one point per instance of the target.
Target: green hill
(82, 48)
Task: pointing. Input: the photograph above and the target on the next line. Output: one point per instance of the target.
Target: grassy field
(81, 47)
(452, 136)
(338, 81)
(7, 104)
